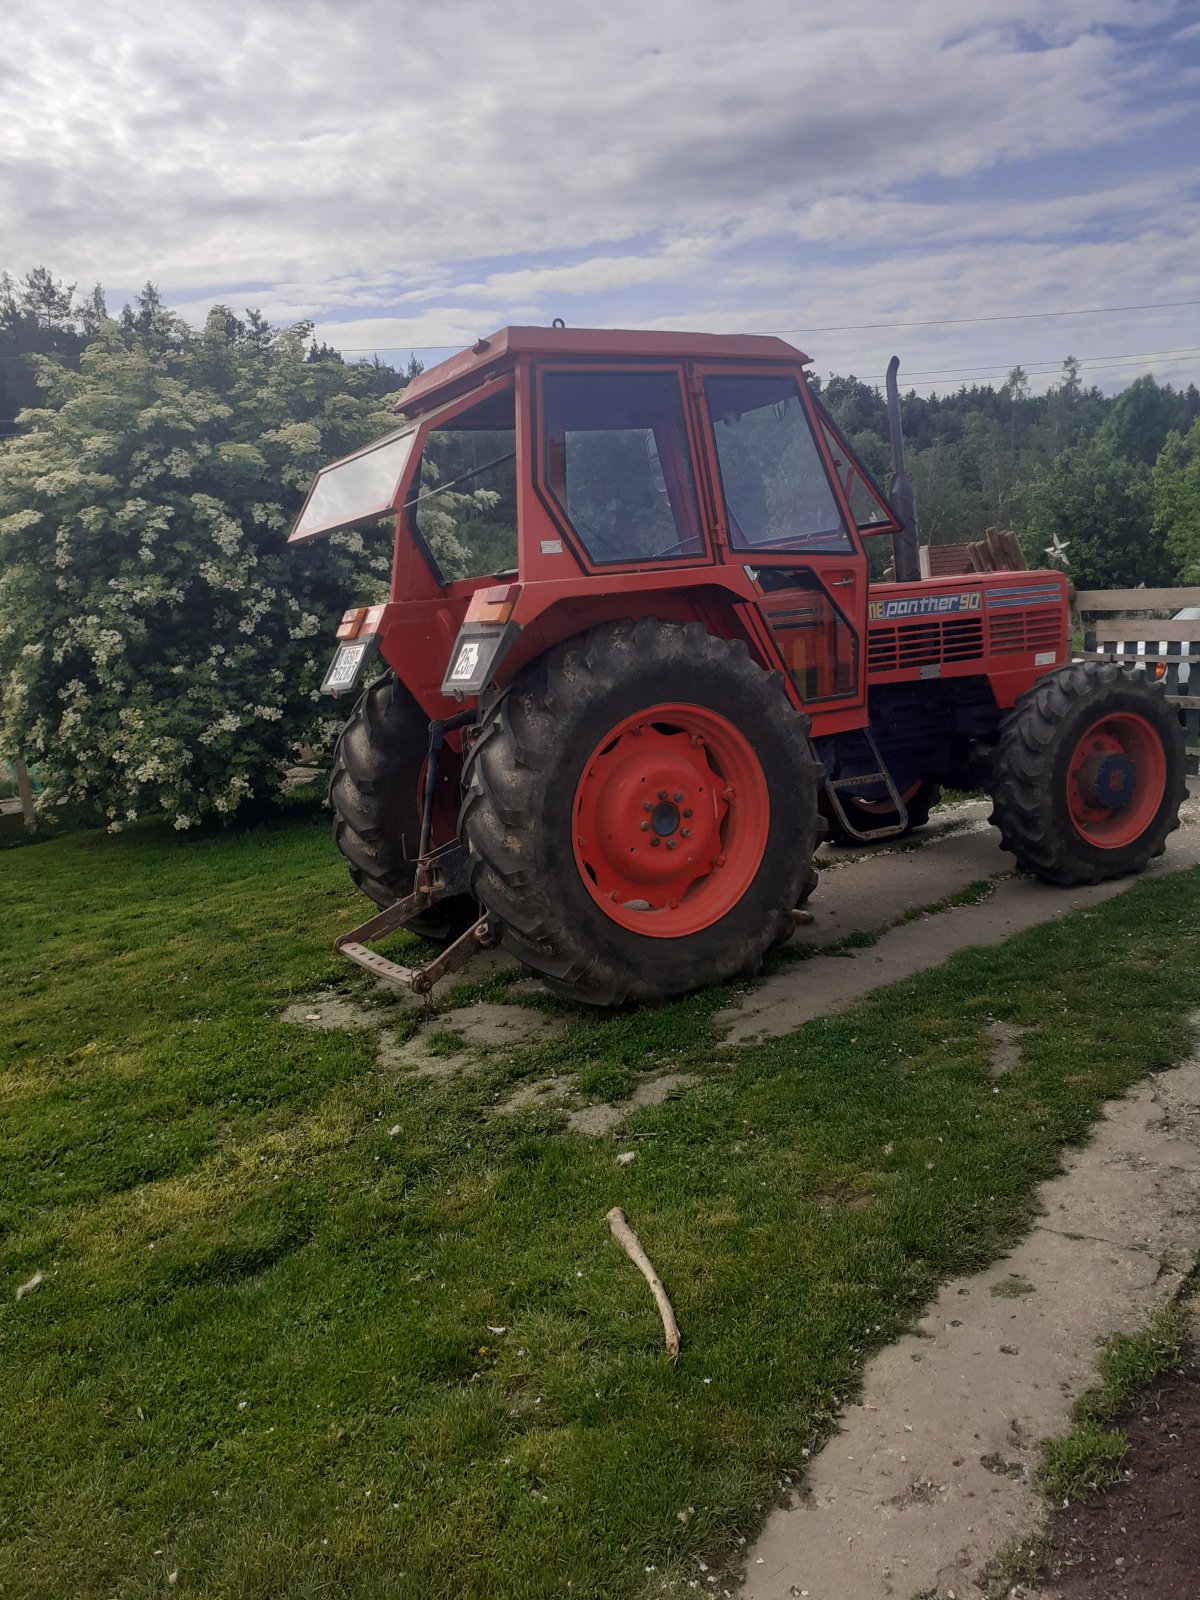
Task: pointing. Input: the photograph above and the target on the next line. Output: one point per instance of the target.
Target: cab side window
(618, 463)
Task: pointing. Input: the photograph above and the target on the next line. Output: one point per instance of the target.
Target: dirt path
(930, 1474)
(1140, 1540)
(871, 892)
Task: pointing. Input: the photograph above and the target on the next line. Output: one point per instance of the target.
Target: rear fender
(724, 610)
(421, 640)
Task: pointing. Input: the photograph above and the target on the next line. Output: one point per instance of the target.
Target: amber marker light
(493, 605)
(351, 623)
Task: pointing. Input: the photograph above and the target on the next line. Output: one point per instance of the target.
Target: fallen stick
(632, 1246)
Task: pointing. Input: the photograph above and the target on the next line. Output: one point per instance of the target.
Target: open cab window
(359, 488)
(868, 504)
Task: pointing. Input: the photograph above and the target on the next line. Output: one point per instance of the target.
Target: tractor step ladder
(419, 980)
(879, 778)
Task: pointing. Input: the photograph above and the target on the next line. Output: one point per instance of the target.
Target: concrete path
(873, 891)
(861, 892)
(930, 1474)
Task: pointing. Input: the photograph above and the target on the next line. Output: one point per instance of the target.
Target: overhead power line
(1040, 367)
(1006, 316)
(854, 327)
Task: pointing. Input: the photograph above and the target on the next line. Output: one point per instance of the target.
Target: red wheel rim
(671, 819)
(1115, 780)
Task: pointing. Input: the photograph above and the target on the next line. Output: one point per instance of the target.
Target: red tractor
(635, 669)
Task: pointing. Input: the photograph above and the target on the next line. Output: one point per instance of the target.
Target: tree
(38, 316)
(1141, 418)
(1016, 391)
(1100, 504)
(160, 645)
(48, 303)
(1177, 501)
(853, 405)
(93, 313)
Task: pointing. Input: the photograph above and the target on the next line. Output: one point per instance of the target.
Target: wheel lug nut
(678, 799)
(644, 826)
(686, 832)
(654, 843)
(672, 844)
(662, 794)
(647, 805)
(687, 811)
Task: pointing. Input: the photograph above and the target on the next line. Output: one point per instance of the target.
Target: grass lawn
(263, 1356)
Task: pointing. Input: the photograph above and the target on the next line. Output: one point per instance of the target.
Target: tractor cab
(634, 668)
(546, 470)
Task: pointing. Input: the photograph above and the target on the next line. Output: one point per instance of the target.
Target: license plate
(347, 666)
(466, 663)
(477, 652)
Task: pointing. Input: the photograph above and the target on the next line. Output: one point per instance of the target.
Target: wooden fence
(1168, 645)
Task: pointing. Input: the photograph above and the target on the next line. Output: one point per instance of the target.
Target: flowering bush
(160, 644)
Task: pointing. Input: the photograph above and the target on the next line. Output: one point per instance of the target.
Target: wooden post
(25, 792)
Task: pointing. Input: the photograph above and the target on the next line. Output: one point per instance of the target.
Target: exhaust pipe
(905, 558)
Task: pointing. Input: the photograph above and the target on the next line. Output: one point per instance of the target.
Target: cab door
(780, 510)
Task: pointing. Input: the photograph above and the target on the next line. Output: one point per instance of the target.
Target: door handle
(841, 583)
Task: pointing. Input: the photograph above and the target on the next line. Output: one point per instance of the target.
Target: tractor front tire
(640, 813)
(375, 798)
(1088, 774)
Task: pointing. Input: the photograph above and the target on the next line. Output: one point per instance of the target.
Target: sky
(943, 179)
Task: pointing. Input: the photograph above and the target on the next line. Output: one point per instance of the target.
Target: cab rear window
(465, 502)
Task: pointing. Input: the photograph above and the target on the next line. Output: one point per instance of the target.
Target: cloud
(592, 276)
(404, 173)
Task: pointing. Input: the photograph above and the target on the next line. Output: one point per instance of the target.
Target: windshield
(464, 508)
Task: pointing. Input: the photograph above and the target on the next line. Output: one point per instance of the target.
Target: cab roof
(499, 352)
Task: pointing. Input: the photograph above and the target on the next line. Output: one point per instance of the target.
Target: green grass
(442, 1042)
(261, 1354)
(1012, 1287)
(1082, 1461)
(1130, 1362)
(1090, 1455)
(1022, 1560)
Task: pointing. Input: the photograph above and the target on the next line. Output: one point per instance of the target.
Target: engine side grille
(925, 643)
(1021, 632)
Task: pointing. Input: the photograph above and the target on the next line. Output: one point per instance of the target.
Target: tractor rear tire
(1086, 733)
(374, 797)
(921, 801)
(605, 756)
